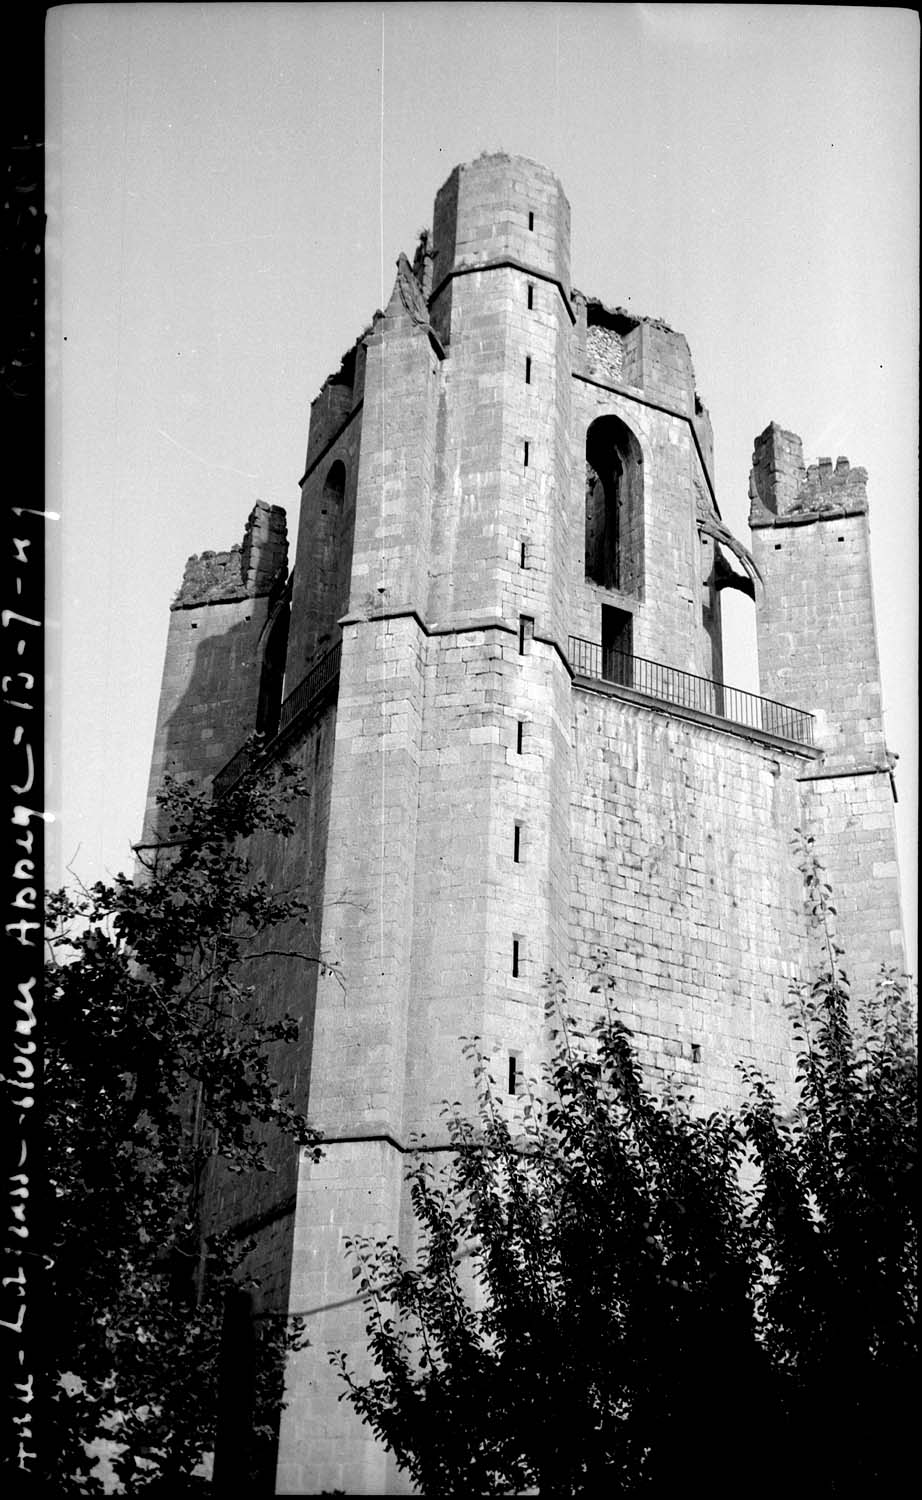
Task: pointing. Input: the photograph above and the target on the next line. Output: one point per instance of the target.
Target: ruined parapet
(338, 398)
(246, 571)
(608, 346)
(615, 346)
(209, 577)
(780, 486)
(605, 353)
(777, 475)
(264, 553)
(841, 489)
(663, 365)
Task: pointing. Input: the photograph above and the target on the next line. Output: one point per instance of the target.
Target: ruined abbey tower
(497, 657)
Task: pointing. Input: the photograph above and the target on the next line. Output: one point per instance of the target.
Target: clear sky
(229, 187)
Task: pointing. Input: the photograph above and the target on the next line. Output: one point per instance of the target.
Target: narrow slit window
(522, 555)
(531, 297)
(525, 455)
(515, 958)
(696, 1052)
(512, 1075)
(519, 737)
(531, 221)
(526, 631)
(528, 369)
(517, 843)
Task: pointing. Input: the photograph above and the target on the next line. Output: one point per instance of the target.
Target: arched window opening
(334, 489)
(614, 506)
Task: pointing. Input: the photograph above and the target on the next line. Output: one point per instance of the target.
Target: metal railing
(236, 767)
(671, 685)
(310, 687)
(298, 703)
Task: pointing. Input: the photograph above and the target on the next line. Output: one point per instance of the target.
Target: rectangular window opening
(528, 369)
(519, 736)
(696, 1052)
(531, 221)
(531, 297)
(522, 555)
(526, 631)
(515, 957)
(517, 843)
(512, 1075)
(525, 455)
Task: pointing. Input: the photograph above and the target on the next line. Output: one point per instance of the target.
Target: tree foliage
(158, 1069)
(624, 1296)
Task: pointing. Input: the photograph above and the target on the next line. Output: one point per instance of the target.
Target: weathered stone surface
(817, 642)
(247, 570)
(442, 542)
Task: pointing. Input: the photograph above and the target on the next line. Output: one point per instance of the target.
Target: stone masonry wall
(208, 694)
(391, 553)
(472, 897)
(323, 567)
(210, 686)
(359, 1036)
(851, 817)
(682, 871)
(816, 630)
(818, 646)
(285, 986)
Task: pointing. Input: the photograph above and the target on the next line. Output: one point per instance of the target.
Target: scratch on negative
(209, 463)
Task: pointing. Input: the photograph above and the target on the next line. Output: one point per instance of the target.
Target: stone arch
(334, 489)
(614, 506)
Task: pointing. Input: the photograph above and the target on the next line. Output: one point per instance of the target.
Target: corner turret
(210, 691)
(818, 646)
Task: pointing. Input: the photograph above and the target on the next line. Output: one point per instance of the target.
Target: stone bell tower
(498, 664)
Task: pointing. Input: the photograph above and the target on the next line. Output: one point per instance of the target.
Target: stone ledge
(694, 716)
(806, 518)
(505, 261)
(319, 457)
